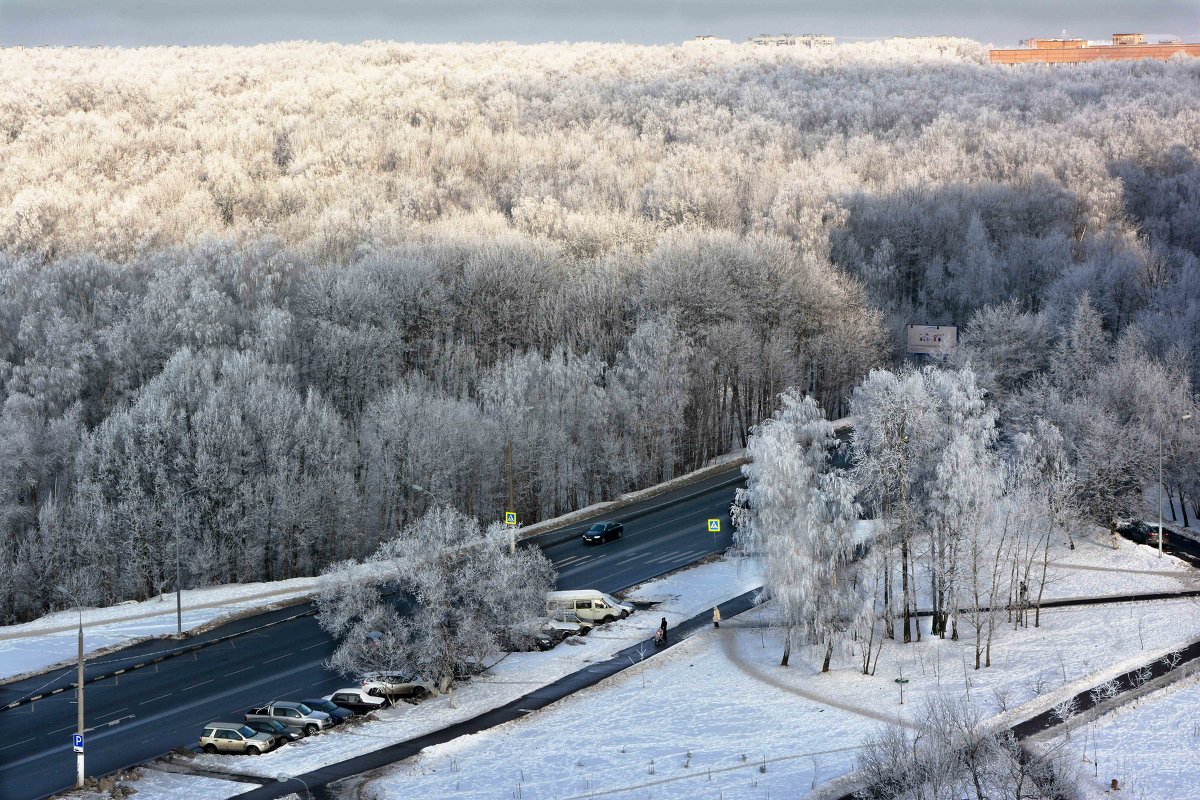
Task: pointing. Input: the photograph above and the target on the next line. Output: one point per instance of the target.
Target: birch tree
(800, 521)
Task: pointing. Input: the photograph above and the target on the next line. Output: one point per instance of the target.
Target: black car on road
(603, 532)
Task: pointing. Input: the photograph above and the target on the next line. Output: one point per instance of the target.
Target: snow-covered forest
(263, 308)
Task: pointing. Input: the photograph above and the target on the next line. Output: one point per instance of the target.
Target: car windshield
(303, 709)
(247, 731)
(273, 725)
(323, 705)
(597, 528)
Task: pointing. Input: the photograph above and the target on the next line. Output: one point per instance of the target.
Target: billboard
(933, 341)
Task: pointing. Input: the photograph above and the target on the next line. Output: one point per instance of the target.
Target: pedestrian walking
(716, 617)
(663, 626)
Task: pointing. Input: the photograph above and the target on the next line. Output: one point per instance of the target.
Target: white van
(588, 604)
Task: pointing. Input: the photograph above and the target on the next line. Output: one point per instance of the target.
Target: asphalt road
(147, 712)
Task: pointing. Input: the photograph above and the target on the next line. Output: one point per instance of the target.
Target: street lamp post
(284, 778)
(1184, 418)
(79, 766)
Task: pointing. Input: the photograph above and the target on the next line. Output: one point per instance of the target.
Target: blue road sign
(77, 742)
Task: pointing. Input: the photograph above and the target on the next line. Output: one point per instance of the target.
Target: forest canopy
(268, 305)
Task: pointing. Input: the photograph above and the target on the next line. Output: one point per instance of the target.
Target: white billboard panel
(935, 341)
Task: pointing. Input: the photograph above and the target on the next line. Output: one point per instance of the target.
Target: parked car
(383, 684)
(1152, 536)
(565, 619)
(1137, 532)
(234, 737)
(356, 700)
(282, 734)
(291, 713)
(602, 532)
(335, 712)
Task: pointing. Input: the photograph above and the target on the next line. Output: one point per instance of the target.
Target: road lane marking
(60, 730)
(311, 646)
(277, 658)
(109, 714)
(14, 744)
(236, 671)
(154, 699)
(197, 686)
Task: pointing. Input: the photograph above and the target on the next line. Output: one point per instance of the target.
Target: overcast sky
(143, 22)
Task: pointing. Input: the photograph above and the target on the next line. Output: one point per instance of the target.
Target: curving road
(146, 712)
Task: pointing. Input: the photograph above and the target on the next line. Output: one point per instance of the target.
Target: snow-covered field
(1152, 747)
(1095, 569)
(722, 694)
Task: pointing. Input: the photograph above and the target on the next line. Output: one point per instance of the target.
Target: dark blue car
(603, 532)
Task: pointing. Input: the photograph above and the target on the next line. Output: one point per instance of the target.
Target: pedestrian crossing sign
(510, 518)
(714, 526)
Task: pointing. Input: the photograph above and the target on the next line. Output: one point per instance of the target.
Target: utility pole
(512, 544)
(79, 721)
(178, 587)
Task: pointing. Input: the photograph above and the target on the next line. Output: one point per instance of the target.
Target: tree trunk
(905, 589)
(828, 656)
(1183, 507)
(787, 647)
(888, 628)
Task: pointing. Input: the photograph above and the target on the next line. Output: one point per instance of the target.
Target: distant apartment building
(792, 40)
(1073, 51)
(706, 40)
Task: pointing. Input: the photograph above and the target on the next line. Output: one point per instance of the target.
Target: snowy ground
(1094, 569)
(1152, 747)
(722, 694)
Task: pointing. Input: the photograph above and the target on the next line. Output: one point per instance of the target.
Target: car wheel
(252, 751)
(210, 748)
(608, 618)
(419, 692)
(310, 729)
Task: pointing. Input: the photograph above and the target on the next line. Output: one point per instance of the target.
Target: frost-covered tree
(798, 516)
(893, 435)
(462, 597)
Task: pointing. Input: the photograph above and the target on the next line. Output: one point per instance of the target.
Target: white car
(356, 700)
(384, 684)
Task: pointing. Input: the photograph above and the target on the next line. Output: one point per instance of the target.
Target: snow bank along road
(144, 713)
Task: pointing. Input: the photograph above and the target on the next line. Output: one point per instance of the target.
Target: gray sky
(146, 22)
